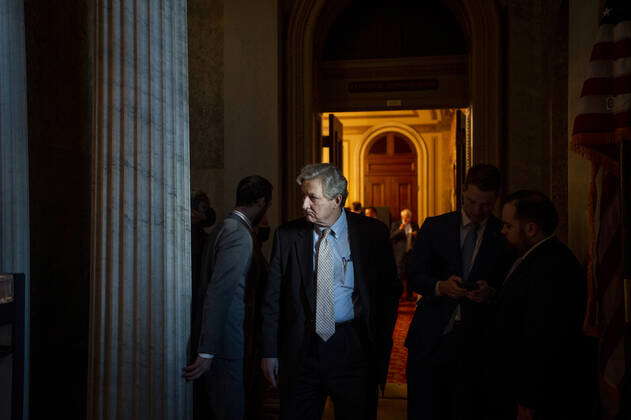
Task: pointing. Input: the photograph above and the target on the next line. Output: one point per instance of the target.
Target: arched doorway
(310, 21)
(390, 174)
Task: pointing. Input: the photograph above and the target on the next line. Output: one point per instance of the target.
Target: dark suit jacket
(289, 298)
(538, 334)
(436, 256)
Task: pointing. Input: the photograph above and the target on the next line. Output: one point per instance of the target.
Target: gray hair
(333, 182)
(406, 211)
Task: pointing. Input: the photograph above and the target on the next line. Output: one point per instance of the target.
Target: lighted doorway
(390, 174)
(400, 159)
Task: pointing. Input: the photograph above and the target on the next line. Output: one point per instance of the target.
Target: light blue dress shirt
(344, 276)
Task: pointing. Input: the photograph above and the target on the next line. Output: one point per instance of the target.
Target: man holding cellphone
(457, 264)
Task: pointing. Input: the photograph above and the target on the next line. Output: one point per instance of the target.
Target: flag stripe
(607, 86)
(609, 259)
(594, 123)
(598, 86)
(622, 84)
(611, 337)
(604, 68)
(621, 31)
(610, 50)
(595, 104)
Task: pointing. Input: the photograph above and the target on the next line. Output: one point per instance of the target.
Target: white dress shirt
(344, 275)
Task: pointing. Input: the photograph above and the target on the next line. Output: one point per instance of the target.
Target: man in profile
(330, 304)
(231, 269)
(538, 336)
(458, 262)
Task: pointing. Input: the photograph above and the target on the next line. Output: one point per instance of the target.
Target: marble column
(14, 210)
(140, 294)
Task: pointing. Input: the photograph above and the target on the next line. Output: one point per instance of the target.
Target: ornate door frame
(480, 21)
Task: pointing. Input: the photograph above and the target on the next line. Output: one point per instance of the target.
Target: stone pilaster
(14, 229)
(14, 210)
(140, 297)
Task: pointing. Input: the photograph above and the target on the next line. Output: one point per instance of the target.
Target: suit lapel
(354, 240)
(304, 253)
(524, 265)
(489, 237)
(514, 277)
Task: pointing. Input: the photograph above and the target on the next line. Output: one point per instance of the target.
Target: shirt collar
(523, 257)
(338, 228)
(466, 221)
(243, 217)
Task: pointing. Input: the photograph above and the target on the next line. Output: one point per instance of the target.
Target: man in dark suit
(457, 264)
(538, 337)
(402, 236)
(330, 304)
(202, 217)
(231, 273)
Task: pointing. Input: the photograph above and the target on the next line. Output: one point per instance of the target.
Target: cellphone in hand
(469, 285)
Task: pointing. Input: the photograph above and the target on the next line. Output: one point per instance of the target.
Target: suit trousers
(338, 368)
(226, 389)
(449, 383)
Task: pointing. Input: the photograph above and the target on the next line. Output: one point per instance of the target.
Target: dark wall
(59, 114)
(536, 67)
(205, 81)
(378, 29)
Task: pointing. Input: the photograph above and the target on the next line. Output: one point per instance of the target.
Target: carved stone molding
(140, 294)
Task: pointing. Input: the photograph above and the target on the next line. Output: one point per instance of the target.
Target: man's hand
(270, 370)
(482, 294)
(451, 287)
(197, 368)
(525, 413)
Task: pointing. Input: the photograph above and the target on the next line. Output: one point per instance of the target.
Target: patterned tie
(325, 317)
(467, 250)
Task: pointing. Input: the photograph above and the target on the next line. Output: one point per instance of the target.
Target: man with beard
(539, 342)
(330, 304)
(231, 269)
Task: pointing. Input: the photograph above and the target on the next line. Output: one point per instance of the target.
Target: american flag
(602, 122)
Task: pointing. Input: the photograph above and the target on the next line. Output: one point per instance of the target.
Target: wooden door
(336, 134)
(331, 145)
(391, 175)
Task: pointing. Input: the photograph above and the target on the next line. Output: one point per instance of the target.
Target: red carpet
(399, 356)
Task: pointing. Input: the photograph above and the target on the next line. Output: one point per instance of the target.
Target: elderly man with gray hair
(330, 304)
